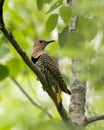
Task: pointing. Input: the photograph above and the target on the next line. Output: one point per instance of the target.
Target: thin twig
(29, 97)
(73, 23)
(69, 2)
(93, 119)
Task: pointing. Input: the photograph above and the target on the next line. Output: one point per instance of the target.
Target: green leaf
(56, 5)
(14, 66)
(51, 22)
(66, 14)
(74, 45)
(63, 36)
(87, 27)
(3, 51)
(75, 40)
(40, 4)
(4, 72)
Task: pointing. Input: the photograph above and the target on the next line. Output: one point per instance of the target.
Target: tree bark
(78, 97)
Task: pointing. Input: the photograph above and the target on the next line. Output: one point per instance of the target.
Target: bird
(49, 68)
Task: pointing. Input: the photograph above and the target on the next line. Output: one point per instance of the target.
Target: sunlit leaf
(65, 13)
(55, 5)
(63, 36)
(51, 22)
(4, 72)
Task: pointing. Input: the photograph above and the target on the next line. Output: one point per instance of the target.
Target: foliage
(31, 20)
(3, 72)
(51, 22)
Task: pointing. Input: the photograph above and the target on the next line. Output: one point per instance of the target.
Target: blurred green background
(46, 19)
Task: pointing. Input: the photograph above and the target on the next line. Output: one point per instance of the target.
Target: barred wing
(50, 64)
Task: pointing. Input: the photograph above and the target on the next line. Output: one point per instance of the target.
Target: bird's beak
(50, 41)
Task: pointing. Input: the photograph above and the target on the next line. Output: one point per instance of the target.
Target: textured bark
(78, 97)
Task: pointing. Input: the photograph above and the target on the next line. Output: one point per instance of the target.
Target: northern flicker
(49, 68)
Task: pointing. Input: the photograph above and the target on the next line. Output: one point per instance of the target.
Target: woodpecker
(49, 68)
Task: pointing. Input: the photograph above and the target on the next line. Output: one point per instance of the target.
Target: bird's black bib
(35, 59)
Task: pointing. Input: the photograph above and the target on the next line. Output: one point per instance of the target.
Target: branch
(30, 64)
(73, 23)
(93, 119)
(1, 13)
(78, 97)
(29, 97)
(23, 55)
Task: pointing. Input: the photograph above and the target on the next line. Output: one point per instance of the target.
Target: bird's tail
(65, 90)
(58, 97)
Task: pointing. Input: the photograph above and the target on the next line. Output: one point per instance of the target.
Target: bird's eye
(41, 41)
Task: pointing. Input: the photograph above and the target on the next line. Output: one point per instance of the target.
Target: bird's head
(42, 43)
(39, 47)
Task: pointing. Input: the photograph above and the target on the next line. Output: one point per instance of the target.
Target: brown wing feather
(51, 65)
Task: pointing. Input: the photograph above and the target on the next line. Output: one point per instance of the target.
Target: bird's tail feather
(66, 91)
(58, 97)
